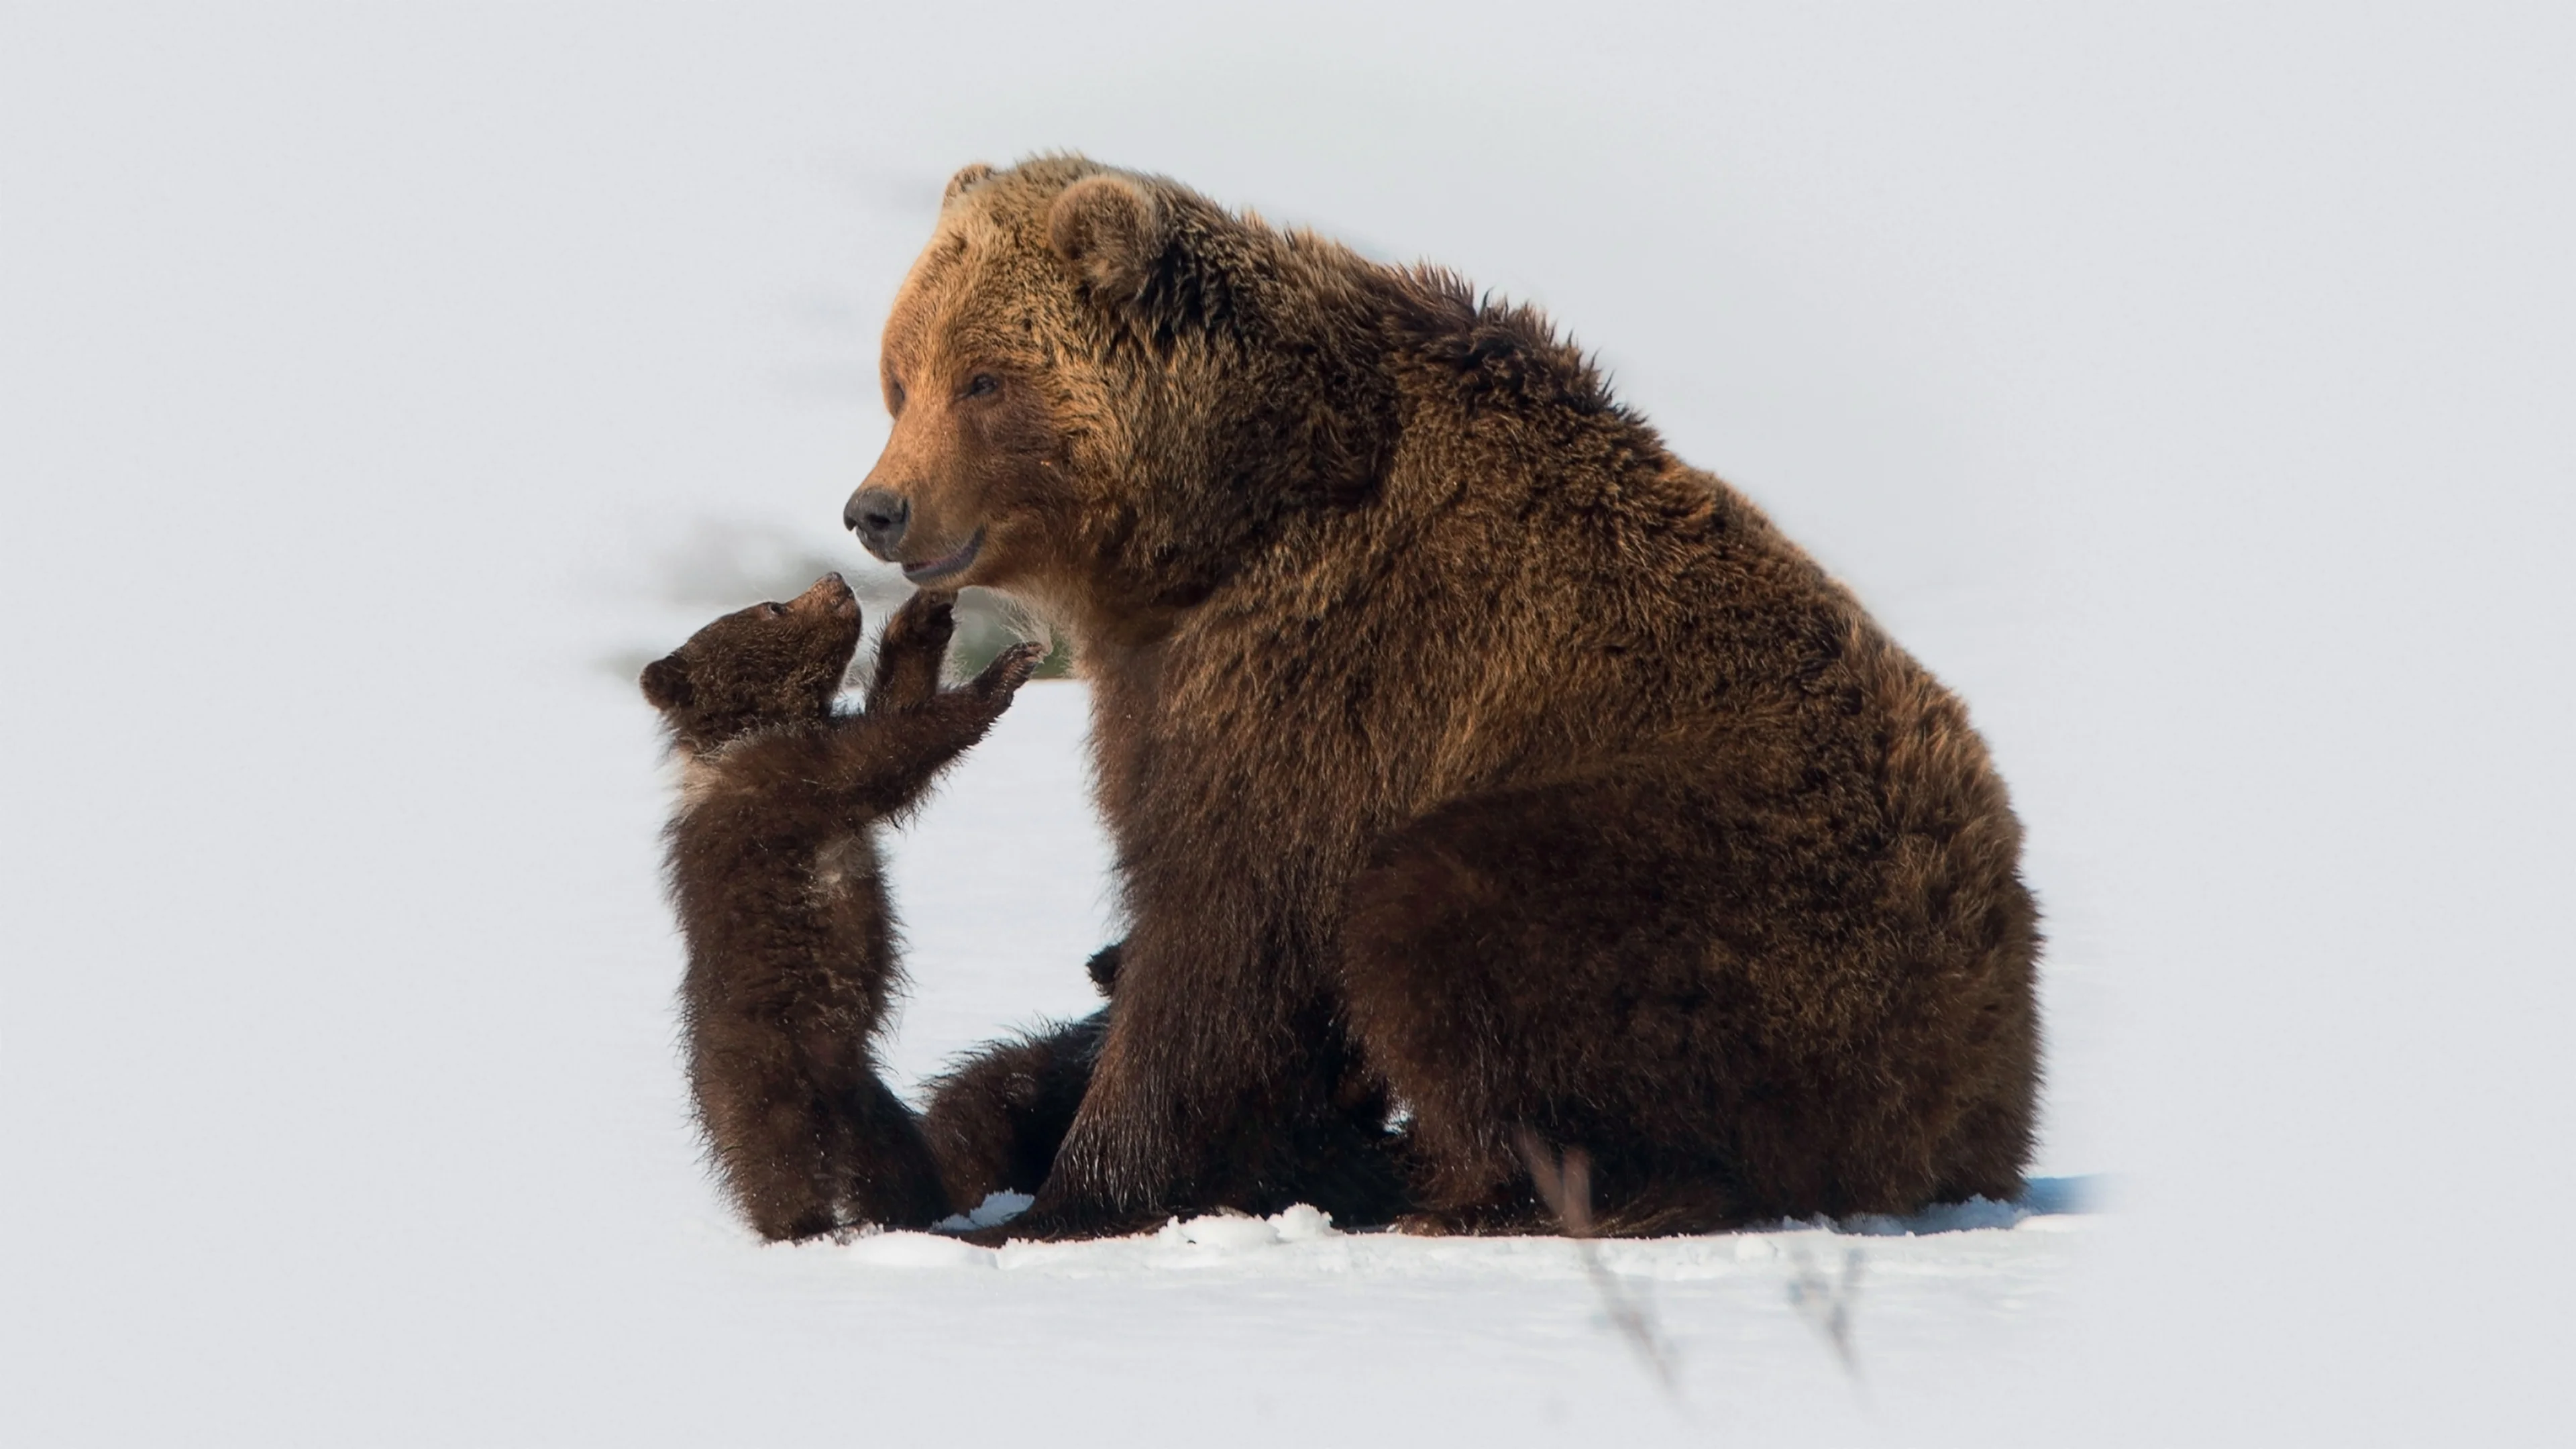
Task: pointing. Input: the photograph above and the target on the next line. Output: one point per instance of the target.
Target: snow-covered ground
(1282, 1328)
(1989, 1281)
(2187, 385)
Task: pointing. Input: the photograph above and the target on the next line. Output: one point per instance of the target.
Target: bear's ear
(666, 684)
(966, 177)
(1112, 231)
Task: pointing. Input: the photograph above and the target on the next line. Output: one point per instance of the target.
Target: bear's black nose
(877, 516)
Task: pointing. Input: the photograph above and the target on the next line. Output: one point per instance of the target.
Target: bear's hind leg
(1578, 961)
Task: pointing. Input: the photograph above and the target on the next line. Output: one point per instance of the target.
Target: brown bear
(776, 883)
(1468, 756)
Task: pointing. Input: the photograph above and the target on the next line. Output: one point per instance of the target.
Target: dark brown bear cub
(997, 1118)
(776, 883)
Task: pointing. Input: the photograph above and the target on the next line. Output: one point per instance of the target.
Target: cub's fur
(776, 883)
(997, 1118)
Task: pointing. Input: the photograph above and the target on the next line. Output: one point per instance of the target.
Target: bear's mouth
(940, 568)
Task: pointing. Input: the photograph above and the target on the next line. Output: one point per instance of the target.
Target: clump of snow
(2044, 1197)
(1226, 1231)
(2053, 1196)
(996, 1209)
(1303, 1223)
(916, 1250)
(1301, 1243)
(1234, 1232)
(1948, 1217)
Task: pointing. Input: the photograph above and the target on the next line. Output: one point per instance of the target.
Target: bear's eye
(894, 396)
(775, 610)
(982, 384)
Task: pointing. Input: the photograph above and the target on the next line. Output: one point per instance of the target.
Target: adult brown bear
(1466, 754)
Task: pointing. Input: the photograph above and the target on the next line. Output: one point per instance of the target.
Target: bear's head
(755, 668)
(1108, 392)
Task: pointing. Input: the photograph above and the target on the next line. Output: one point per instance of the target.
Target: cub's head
(767, 665)
(1106, 389)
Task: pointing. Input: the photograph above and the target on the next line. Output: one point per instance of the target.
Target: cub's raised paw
(1009, 670)
(910, 653)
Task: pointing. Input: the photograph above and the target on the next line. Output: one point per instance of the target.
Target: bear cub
(997, 1119)
(774, 877)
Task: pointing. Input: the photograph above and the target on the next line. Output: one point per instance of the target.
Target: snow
(2186, 385)
(1236, 1242)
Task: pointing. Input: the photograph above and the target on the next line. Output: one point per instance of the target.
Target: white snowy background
(2193, 386)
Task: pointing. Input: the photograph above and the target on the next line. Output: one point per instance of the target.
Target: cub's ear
(1112, 231)
(666, 684)
(966, 177)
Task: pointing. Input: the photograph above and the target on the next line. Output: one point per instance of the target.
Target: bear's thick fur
(997, 1119)
(1466, 753)
(778, 891)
